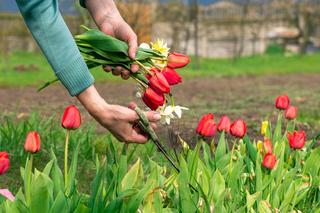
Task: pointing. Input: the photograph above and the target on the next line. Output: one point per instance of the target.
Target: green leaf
(251, 199)
(73, 171)
(41, 194)
(131, 177)
(221, 149)
(218, 186)
(60, 204)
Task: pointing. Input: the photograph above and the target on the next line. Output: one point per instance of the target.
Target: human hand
(109, 20)
(121, 121)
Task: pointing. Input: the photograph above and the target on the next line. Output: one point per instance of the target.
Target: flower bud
(267, 145)
(33, 142)
(224, 124)
(269, 161)
(206, 126)
(297, 139)
(238, 128)
(171, 75)
(177, 60)
(158, 82)
(4, 162)
(152, 99)
(71, 118)
(282, 102)
(264, 127)
(291, 112)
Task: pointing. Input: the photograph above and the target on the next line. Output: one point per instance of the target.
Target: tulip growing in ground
(297, 139)
(282, 102)
(172, 76)
(269, 161)
(71, 120)
(291, 112)
(238, 128)
(152, 99)
(177, 60)
(32, 143)
(267, 145)
(206, 126)
(224, 124)
(158, 82)
(4, 162)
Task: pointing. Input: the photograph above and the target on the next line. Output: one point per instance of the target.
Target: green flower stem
(230, 163)
(153, 64)
(139, 81)
(143, 67)
(28, 174)
(66, 158)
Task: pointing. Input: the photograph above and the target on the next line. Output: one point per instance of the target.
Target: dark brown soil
(250, 98)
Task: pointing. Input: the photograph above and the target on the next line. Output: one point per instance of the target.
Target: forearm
(55, 40)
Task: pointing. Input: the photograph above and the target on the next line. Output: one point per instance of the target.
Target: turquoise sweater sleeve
(47, 26)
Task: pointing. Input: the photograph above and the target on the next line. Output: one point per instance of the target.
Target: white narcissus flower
(171, 112)
(144, 46)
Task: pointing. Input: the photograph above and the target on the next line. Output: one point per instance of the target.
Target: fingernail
(157, 116)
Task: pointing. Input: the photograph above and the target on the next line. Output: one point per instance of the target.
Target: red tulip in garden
(269, 161)
(267, 145)
(71, 118)
(291, 112)
(297, 139)
(238, 128)
(4, 162)
(224, 124)
(282, 102)
(32, 143)
(206, 126)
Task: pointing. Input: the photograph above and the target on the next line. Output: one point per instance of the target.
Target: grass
(15, 69)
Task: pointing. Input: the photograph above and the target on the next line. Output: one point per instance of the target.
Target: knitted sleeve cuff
(75, 76)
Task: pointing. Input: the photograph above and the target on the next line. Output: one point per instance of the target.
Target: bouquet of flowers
(156, 67)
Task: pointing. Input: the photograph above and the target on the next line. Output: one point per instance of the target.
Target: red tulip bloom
(177, 60)
(282, 102)
(4, 162)
(172, 76)
(297, 139)
(206, 126)
(291, 112)
(158, 82)
(238, 128)
(33, 142)
(269, 161)
(267, 145)
(224, 124)
(71, 118)
(152, 99)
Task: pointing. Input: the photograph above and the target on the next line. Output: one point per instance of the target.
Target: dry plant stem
(66, 157)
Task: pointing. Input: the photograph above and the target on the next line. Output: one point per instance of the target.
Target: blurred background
(244, 53)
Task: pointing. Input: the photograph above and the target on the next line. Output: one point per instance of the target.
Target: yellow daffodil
(160, 46)
(259, 146)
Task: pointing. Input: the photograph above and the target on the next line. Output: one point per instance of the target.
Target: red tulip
(297, 139)
(282, 102)
(238, 128)
(291, 112)
(267, 146)
(158, 82)
(71, 118)
(152, 99)
(269, 161)
(224, 124)
(206, 126)
(171, 75)
(177, 60)
(4, 162)
(33, 142)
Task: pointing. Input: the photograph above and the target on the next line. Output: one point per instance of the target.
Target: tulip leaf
(221, 149)
(131, 177)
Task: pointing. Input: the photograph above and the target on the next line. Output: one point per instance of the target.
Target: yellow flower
(161, 47)
(264, 127)
(259, 145)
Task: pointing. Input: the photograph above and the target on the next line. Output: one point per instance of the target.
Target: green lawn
(15, 69)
